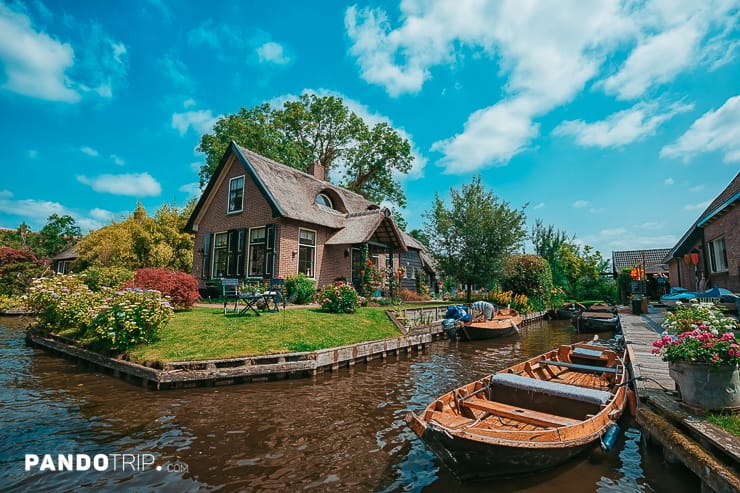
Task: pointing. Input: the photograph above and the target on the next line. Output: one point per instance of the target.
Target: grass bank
(206, 333)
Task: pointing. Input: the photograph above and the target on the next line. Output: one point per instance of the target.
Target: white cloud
(656, 61)
(671, 40)
(545, 51)
(579, 204)
(491, 136)
(134, 184)
(696, 188)
(651, 225)
(39, 66)
(613, 232)
(669, 181)
(539, 206)
(117, 160)
(89, 151)
(192, 189)
(201, 121)
(697, 207)
(36, 212)
(272, 52)
(35, 63)
(714, 131)
(176, 71)
(621, 128)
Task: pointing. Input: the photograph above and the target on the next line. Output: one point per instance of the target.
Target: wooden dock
(651, 370)
(711, 453)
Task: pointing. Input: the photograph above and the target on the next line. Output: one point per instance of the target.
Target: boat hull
(532, 416)
(475, 332)
(470, 460)
(592, 322)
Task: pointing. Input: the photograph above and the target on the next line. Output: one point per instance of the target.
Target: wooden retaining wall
(426, 326)
(238, 370)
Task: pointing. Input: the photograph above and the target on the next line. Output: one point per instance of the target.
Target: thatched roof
(292, 195)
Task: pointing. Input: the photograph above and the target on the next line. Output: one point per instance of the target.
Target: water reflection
(336, 432)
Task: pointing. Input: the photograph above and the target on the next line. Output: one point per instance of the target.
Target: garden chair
(230, 292)
(274, 294)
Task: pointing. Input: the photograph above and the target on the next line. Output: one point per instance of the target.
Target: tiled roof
(629, 258)
(727, 197)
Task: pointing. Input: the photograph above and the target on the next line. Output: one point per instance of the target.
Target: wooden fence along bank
(420, 326)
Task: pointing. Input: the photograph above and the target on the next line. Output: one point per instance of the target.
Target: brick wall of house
(728, 225)
(256, 212)
(330, 261)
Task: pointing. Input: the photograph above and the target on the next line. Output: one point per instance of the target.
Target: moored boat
(601, 321)
(568, 311)
(602, 307)
(505, 322)
(531, 416)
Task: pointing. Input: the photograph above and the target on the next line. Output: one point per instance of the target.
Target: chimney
(317, 170)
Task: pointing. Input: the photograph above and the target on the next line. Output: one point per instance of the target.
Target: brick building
(711, 246)
(260, 218)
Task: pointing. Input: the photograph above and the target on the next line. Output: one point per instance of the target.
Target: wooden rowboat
(531, 416)
(505, 322)
(600, 321)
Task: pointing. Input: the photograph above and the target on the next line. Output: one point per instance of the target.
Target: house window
(257, 249)
(306, 252)
(718, 255)
(323, 200)
(220, 254)
(236, 194)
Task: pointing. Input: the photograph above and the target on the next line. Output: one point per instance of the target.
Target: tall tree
(317, 129)
(549, 243)
(58, 232)
(472, 239)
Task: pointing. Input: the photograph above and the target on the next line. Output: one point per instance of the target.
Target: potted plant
(702, 354)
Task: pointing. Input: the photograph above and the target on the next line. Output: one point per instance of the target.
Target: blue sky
(614, 121)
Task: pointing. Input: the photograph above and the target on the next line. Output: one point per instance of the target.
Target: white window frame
(228, 198)
(214, 274)
(717, 255)
(311, 275)
(249, 250)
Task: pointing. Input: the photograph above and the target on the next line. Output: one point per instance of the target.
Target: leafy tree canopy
(317, 129)
(141, 241)
(472, 239)
(57, 234)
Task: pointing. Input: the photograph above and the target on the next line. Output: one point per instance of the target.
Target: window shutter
(231, 267)
(270, 231)
(240, 247)
(205, 272)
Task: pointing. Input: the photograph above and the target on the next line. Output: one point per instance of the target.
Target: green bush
(62, 302)
(98, 278)
(338, 298)
(300, 289)
(530, 275)
(107, 320)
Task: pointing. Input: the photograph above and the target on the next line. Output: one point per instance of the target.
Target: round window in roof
(324, 201)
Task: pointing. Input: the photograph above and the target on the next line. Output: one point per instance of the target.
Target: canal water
(336, 432)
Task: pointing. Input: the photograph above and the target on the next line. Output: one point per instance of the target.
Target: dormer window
(323, 200)
(236, 194)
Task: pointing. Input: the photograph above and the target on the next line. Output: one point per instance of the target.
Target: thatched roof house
(261, 218)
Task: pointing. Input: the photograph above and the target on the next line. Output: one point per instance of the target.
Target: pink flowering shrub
(338, 297)
(707, 337)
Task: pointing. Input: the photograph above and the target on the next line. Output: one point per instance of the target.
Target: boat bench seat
(576, 366)
(526, 415)
(581, 394)
(588, 353)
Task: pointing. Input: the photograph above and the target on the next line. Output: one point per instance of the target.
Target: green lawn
(206, 333)
(730, 422)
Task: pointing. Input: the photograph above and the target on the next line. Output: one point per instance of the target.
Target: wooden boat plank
(519, 414)
(579, 367)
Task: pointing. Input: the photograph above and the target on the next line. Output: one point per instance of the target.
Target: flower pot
(705, 387)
